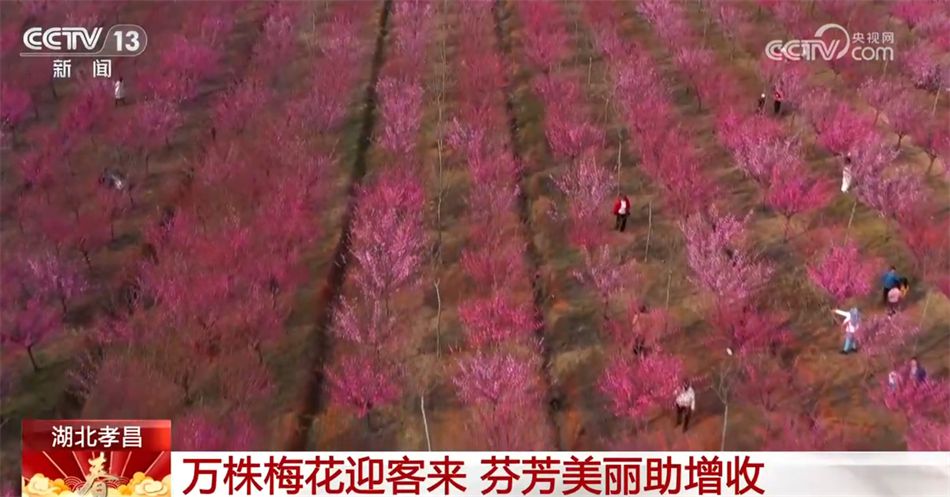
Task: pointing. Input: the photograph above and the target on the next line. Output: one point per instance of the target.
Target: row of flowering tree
(388, 239)
(499, 377)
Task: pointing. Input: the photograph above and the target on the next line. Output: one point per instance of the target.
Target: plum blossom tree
(637, 387)
(747, 331)
(362, 384)
(719, 262)
(401, 111)
(903, 113)
(928, 435)
(802, 432)
(502, 389)
(923, 64)
(793, 192)
(695, 62)
(28, 318)
(933, 136)
(893, 194)
(843, 273)
(569, 137)
(883, 336)
(878, 91)
(388, 235)
(606, 275)
(840, 128)
(498, 318)
(586, 186)
(58, 278)
(494, 262)
(201, 429)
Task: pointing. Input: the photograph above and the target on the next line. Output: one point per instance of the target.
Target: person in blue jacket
(917, 371)
(891, 280)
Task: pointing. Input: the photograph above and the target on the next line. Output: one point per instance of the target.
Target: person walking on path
(622, 211)
(685, 404)
(119, 89)
(761, 105)
(890, 280)
(917, 371)
(846, 174)
(778, 96)
(893, 379)
(852, 321)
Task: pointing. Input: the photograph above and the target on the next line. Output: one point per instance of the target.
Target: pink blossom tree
(840, 128)
(802, 432)
(605, 274)
(58, 278)
(27, 317)
(878, 91)
(695, 63)
(843, 273)
(903, 113)
(891, 194)
(793, 192)
(362, 384)
(586, 187)
(719, 261)
(401, 112)
(923, 64)
(493, 262)
(747, 331)
(871, 157)
(388, 235)
(928, 435)
(637, 387)
(202, 429)
(883, 336)
(570, 137)
(493, 320)
(933, 136)
(502, 390)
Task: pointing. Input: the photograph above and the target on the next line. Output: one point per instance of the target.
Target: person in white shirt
(852, 321)
(846, 174)
(119, 87)
(622, 211)
(685, 404)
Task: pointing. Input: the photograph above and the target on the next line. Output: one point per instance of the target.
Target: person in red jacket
(778, 97)
(622, 211)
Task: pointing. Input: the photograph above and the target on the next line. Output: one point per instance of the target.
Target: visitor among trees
(685, 404)
(852, 321)
(890, 280)
(916, 371)
(778, 97)
(622, 211)
(119, 87)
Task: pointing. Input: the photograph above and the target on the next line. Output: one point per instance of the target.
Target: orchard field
(388, 225)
